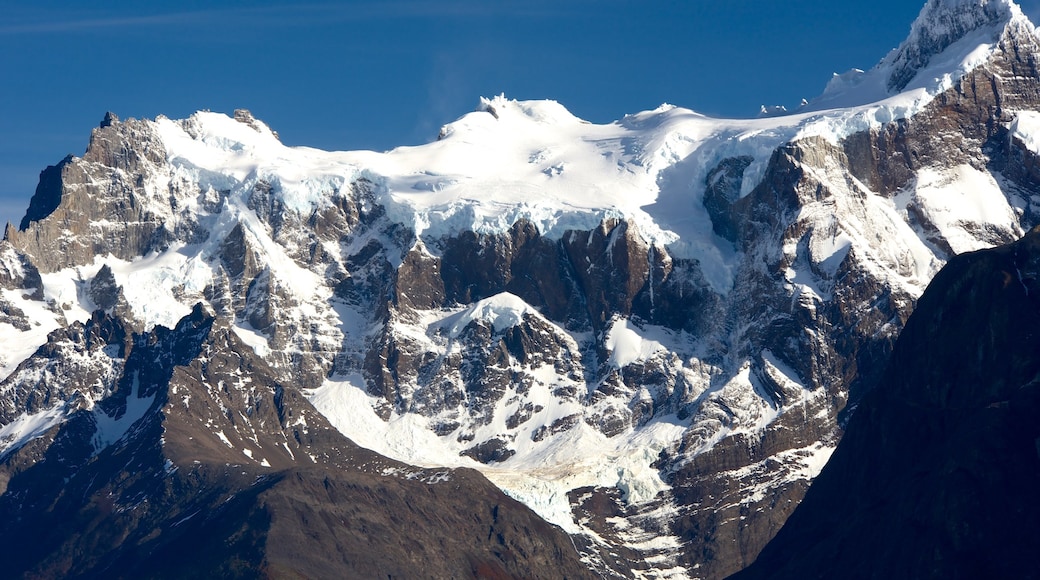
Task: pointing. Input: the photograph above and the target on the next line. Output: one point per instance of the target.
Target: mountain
(946, 448)
(647, 334)
(196, 463)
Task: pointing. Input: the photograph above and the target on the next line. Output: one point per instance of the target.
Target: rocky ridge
(187, 445)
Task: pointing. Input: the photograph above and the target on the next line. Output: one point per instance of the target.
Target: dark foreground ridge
(938, 471)
(168, 500)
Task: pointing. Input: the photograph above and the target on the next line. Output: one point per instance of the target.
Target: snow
(948, 39)
(111, 428)
(350, 409)
(28, 427)
(754, 410)
(253, 339)
(149, 283)
(960, 202)
(787, 466)
(514, 160)
(501, 311)
(1026, 128)
(828, 251)
(17, 345)
(780, 372)
(222, 153)
(63, 289)
(540, 476)
(628, 343)
(534, 160)
(220, 435)
(903, 251)
(582, 456)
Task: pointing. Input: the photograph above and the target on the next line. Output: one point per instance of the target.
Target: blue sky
(376, 74)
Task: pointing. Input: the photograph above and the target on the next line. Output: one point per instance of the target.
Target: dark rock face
(722, 191)
(522, 262)
(104, 290)
(612, 266)
(47, 196)
(931, 477)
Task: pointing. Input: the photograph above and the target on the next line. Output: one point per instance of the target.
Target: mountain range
(537, 346)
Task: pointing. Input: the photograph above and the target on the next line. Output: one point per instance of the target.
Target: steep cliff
(934, 474)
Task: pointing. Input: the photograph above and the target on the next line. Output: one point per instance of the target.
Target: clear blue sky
(376, 74)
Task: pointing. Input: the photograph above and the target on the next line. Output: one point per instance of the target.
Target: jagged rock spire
(109, 120)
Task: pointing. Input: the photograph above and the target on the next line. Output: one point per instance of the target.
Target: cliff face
(931, 477)
(649, 332)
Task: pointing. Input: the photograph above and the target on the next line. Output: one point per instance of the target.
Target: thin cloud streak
(88, 24)
(295, 15)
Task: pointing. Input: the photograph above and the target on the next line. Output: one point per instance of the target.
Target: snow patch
(253, 339)
(628, 343)
(220, 435)
(803, 464)
(501, 312)
(109, 429)
(1026, 128)
(961, 202)
(28, 427)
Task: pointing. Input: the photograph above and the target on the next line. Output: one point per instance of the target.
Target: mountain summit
(966, 26)
(948, 40)
(633, 345)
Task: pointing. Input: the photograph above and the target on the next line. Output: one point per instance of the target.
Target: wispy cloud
(87, 24)
(285, 15)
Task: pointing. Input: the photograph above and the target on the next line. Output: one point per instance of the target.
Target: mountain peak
(940, 25)
(539, 111)
(949, 39)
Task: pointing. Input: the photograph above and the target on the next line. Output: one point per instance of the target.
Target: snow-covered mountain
(648, 332)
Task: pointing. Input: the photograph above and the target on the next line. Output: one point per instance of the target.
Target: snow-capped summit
(948, 39)
(944, 23)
